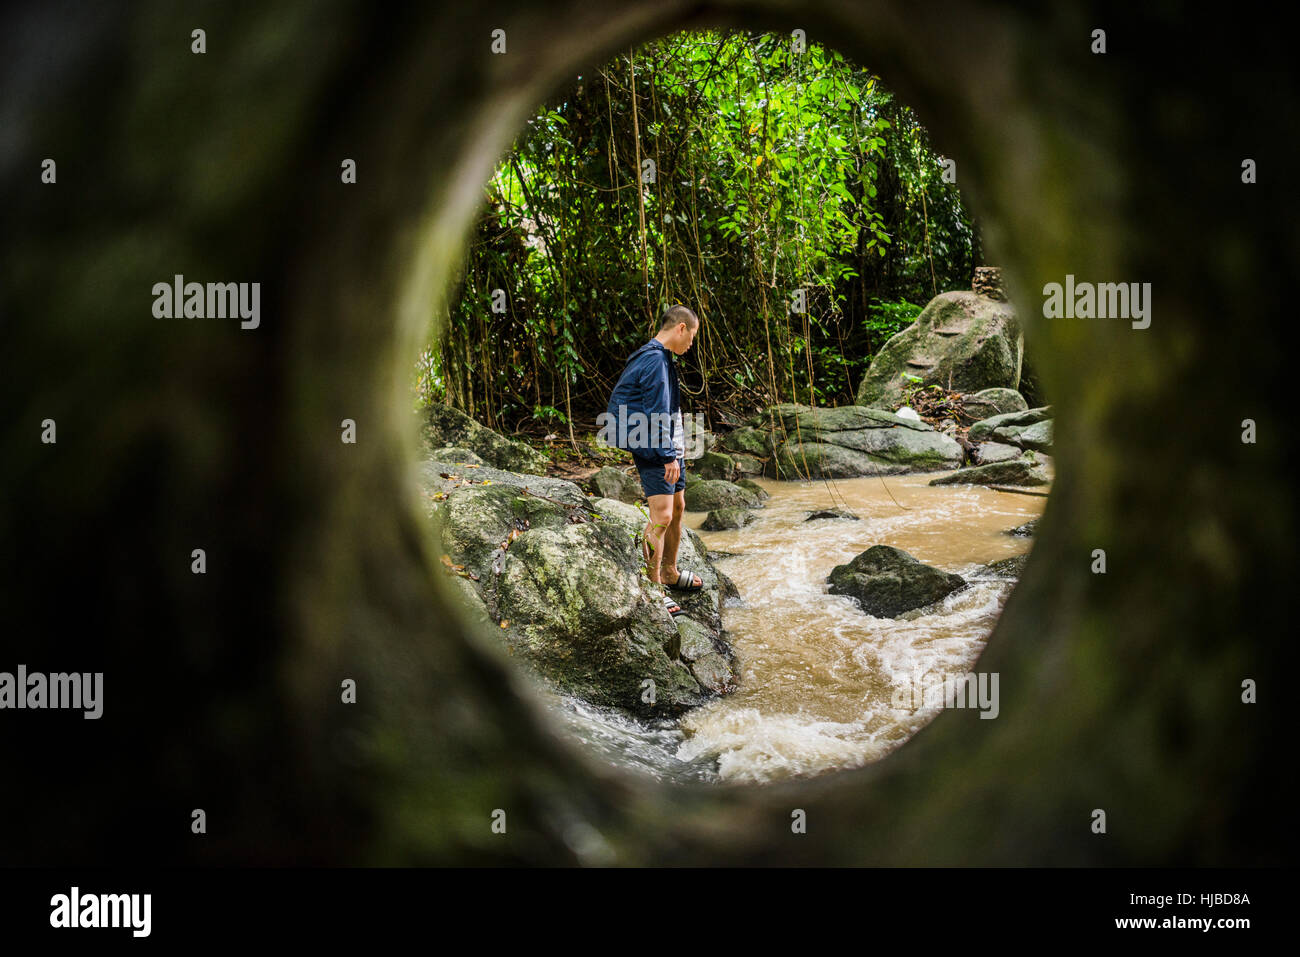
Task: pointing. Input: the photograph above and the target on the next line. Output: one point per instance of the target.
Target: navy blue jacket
(647, 386)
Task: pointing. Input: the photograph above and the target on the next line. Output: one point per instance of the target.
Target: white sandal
(669, 605)
(686, 580)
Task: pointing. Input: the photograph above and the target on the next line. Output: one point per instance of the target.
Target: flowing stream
(820, 679)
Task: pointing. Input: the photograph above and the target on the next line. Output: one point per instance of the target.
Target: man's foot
(684, 580)
(672, 607)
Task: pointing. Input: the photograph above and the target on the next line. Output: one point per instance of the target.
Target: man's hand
(672, 471)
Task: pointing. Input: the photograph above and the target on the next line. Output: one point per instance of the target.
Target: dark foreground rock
(887, 581)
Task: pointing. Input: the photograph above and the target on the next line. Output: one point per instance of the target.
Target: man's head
(677, 328)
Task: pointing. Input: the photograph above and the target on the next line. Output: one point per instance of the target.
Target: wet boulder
(831, 513)
(887, 581)
(710, 494)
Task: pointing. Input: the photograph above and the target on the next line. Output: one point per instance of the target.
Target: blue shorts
(652, 476)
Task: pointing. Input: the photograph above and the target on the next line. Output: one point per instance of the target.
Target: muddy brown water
(823, 685)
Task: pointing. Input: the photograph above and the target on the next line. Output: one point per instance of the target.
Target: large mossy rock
(853, 440)
(887, 581)
(711, 494)
(1022, 472)
(961, 340)
(445, 426)
(561, 580)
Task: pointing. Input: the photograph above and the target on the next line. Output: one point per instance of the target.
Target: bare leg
(661, 514)
(672, 539)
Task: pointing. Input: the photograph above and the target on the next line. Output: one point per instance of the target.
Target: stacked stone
(988, 282)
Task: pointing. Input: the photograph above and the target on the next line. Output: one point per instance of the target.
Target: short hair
(675, 314)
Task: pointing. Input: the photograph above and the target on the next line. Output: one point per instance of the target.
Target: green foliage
(774, 172)
(549, 413)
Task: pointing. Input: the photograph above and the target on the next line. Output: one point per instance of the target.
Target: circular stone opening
(1127, 688)
(862, 473)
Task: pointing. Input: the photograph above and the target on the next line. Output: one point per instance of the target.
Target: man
(647, 393)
